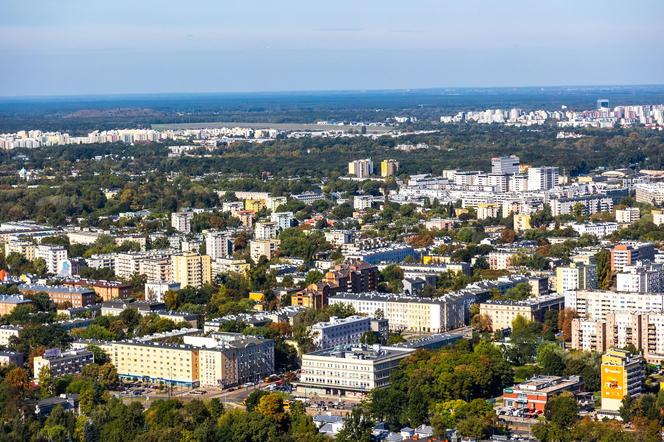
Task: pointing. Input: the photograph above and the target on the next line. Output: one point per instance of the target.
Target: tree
(550, 358)
(482, 323)
(565, 318)
(370, 338)
(508, 236)
(272, 405)
(18, 381)
(357, 427)
(604, 274)
(313, 277)
(253, 400)
(46, 384)
(562, 410)
(392, 275)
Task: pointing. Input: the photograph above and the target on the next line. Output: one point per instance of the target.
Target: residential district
(508, 303)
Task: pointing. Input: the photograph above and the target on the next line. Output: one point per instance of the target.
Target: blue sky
(63, 47)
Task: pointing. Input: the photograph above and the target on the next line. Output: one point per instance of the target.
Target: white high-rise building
(266, 230)
(576, 276)
(596, 304)
(505, 165)
(282, 219)
(641, 278)
(218, 244)
(53, 255)
(542, 178)
(181, 221)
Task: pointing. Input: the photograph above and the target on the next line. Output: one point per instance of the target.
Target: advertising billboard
(613, 380)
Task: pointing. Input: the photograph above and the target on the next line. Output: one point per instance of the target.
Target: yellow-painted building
(622, 375)
(259, 299)
(521, 222)
(459, 211)
(254, 204)
(389, 168)
(191, 269)
(436, 259)
(153, 362)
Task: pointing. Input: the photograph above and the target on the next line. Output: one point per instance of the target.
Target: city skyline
(77, 48)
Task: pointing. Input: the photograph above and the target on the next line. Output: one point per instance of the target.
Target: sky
(84, 47)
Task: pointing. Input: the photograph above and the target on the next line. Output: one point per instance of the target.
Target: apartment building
(597, 304)
(644, 330)
(53, 255)
(362, 202)
(106, 290)
(116, 306)
(220, 359)
(650, 193)
(7, 332)
(156, 362)
(521, 222)
(576, 276)
(503, 312)
(591, 204)
(228, 359)
(430, 315)
(62, 363)
(622, 375)
(542, 178)
(61, 294)
(9, 302)
(218, 244)
(181, 221)
(389, 168)
(230, 265)
(155, 290)
(501, 259)
(263, 247)
(191, 269)
(339, 237)
(283, 220)
(627, 253)
(589, 335)
(353, 276)
(657, 217)
(600, 230)
(628, 215)
(314, 296)
(156, 269)
(274, 202)
(11, 358)
(339, 331)
(487, 210)
(643, 277)
(266, 230)
(360, 168)
(350, 370)
(22, 247)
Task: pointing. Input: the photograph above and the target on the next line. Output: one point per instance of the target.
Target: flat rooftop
(361, 352)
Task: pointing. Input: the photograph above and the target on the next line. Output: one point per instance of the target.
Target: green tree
(562, 410)
(46, 382)
(604, 274)
(357, 427)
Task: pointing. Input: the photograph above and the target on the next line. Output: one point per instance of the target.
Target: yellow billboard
(613, 380)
